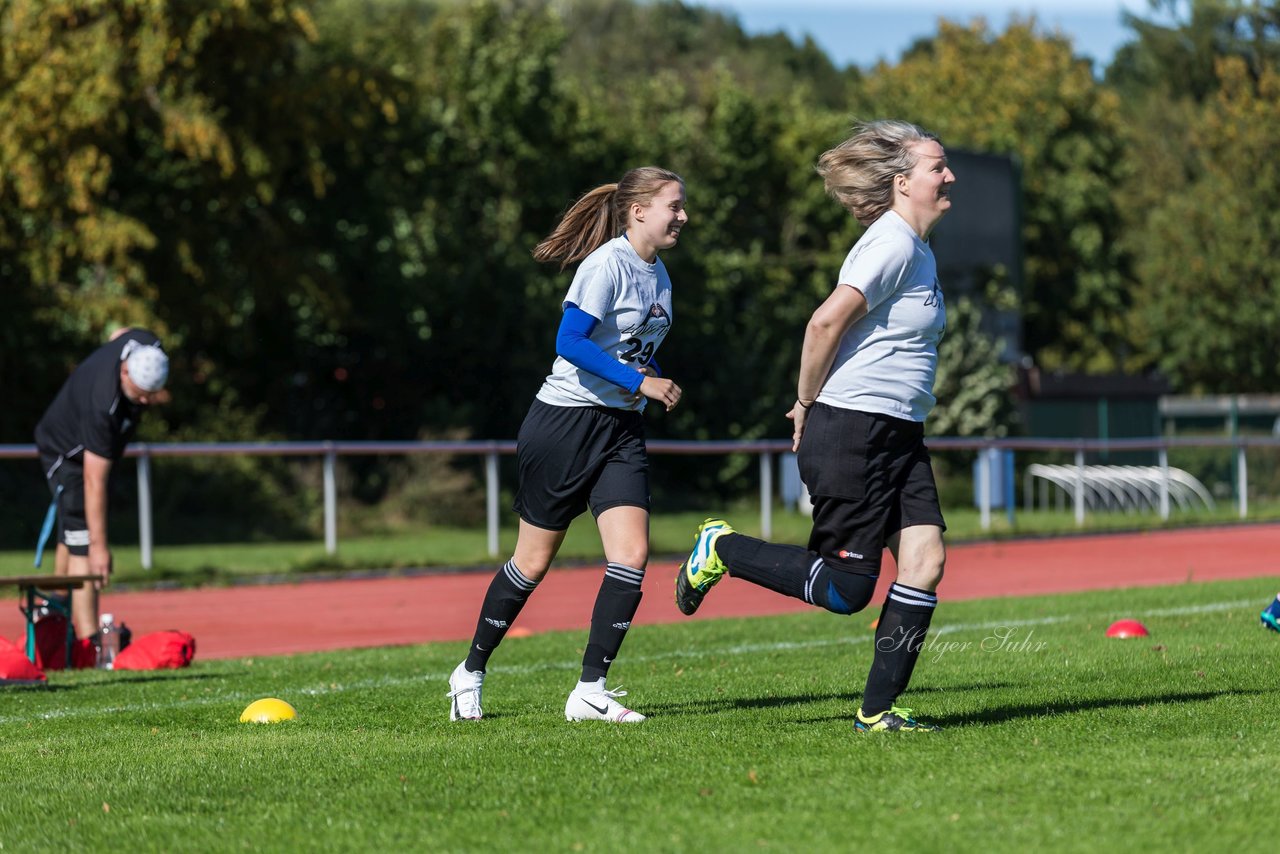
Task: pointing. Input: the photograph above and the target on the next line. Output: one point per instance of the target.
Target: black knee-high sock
(616, 605)
(904, 622)
(507, 594)
(786, 569)
(794, 571)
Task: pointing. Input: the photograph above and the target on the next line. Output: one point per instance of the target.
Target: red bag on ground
(16, 668)
(51, 645)
(157, 651)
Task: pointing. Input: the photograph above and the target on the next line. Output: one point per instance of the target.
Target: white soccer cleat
(600, 705)
(464, 694)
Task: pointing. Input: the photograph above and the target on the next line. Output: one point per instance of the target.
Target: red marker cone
(1127, 629)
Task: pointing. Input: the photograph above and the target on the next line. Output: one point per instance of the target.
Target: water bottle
(108, 642)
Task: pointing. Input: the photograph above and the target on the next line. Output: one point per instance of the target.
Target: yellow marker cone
(268, 710)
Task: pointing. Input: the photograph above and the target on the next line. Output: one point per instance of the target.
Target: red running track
(308, 616)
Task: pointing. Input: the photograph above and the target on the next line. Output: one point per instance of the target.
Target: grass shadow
(702, 707)
(142, 677)
(996, 715)
(1007, 714)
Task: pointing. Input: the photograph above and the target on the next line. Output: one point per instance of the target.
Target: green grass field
(1055, 738)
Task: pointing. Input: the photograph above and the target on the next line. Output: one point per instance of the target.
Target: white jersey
(632, 300)
(886, 362)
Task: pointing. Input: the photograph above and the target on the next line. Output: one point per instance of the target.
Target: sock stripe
(625, 574)
(813, 576)
(911, 596)
(516, 577)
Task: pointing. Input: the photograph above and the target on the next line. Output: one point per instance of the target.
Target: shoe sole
(624, 719)
(866, 730)
(454, 715)
(688, 597)
(862, 726)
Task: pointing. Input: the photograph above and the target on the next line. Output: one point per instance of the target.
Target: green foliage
(973, 386)
(1219, 268)
(491, 103)
(1200, 205)
(403, 494)
(1179, 43)
(612, 45)
(327, 206)
(1026, 95)
(165, 178)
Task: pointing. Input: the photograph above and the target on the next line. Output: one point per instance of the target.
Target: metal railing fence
(767, 450)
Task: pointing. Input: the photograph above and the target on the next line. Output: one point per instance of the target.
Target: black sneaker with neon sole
(894, 720)
(703, 569)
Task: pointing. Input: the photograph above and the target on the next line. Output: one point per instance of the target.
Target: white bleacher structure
(1128, 489)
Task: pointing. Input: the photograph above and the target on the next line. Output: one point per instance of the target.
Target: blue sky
(863, 31)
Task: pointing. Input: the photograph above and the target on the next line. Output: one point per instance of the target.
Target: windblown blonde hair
(858, 173)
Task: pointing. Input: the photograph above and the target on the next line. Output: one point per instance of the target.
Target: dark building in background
(981, 239)
(1093, 406)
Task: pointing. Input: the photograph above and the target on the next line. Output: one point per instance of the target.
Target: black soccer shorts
(73, 530)
(575, 457)
(869, 476)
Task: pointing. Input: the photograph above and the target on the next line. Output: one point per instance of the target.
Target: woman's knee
(920, 555)
(533, 557)
(924, 568)
(624, 533)
(634, 558)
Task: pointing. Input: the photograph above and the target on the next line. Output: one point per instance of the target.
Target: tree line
(327, 207)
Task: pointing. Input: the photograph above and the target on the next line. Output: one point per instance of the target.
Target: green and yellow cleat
(895, 720)
(703, 569)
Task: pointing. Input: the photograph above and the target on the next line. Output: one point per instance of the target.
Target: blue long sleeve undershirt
(574, 345)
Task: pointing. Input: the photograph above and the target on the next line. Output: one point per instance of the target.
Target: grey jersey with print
(886, 362)
(632, 300)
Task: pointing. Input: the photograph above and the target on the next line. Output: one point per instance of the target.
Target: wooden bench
(32, 587)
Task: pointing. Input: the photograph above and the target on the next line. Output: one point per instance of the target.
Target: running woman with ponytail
(866, 384)
(582, 443)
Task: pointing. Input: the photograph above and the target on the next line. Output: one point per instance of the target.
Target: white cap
(148, 367)
(108, 618)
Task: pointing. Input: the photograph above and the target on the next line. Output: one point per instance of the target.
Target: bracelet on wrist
(804, 405)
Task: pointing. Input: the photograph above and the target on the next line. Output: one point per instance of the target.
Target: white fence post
(330, 500)
(1242, 482)
(491, 499)
(144, 506)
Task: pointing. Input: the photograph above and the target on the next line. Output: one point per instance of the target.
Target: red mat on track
(318, 615)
